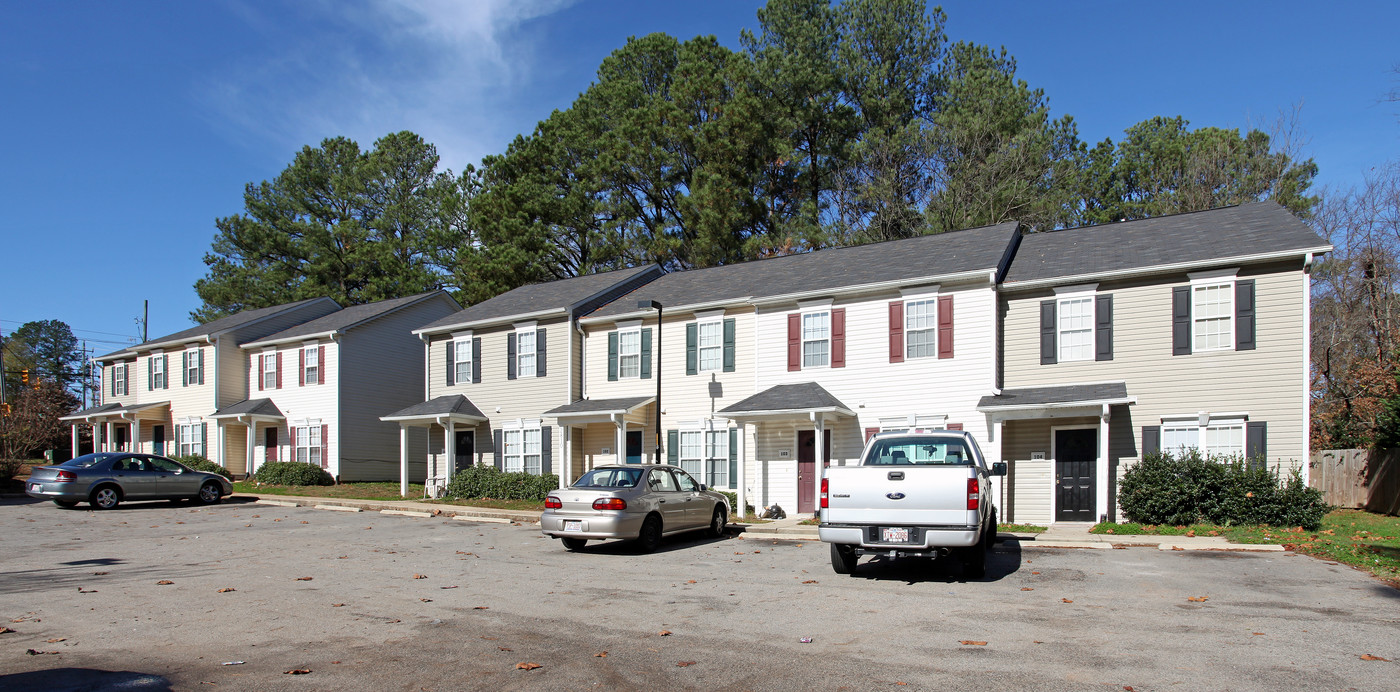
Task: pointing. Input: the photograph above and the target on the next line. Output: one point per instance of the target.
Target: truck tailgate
(907, 495)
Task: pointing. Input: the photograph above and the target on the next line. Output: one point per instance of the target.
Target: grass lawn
(1353, 537)
(1021, 528)
(513, 505)
(345, 491)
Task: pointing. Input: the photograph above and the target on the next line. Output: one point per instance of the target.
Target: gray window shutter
(1256, 448)
(201, 365)
(612, 356)
(1151, 439)
(204, 440)
(450, 349)
(673, 447)
(734, 460)
(1244, 315)
(729, 345)
(498, 439)
(1103, 327)
(165, 370)
(1047, 332)
(540, 342)
(1181, 320)
(691, 345)
(127, 369)
(476, 360)
(546, 450)
(113, 371)
(646, 353)
(510, 356)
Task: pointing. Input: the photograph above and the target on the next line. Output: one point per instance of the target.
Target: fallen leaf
(1127, 688)
(426, 600)
(692, 581)
(1037, 642)
(1176, 548)
(527, 666)
(1198, 599)
(247, 524)
(164, 582)
(303, 578)
(99, 574)
(297, 671)
(1364, 657)
(273, 520)
(337, 605)
(502, 648)
(1066, 600)
(334, 662)
(601, 654)
(1257, 634)
(420, 576)
(684, 664)
(481, 607)
(306, 522)
(969, 642)
(1027, 588)
(810, 581)
(35, 652)
(1035, 572)
(490, 639)
(55, 640)
(343, 557)
(5, 630)
(664, 633)
(448, 587)
(757, 552)
(226, 589)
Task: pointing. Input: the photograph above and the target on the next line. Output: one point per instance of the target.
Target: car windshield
(610, 478)
(904, 451)
(87, 460)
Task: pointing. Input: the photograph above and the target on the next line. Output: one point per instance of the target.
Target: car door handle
(660, 502)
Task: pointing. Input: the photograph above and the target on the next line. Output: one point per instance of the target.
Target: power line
(90, 331)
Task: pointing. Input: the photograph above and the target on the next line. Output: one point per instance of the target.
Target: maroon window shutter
(794, 342)
(292, 441)
(870, 432)
(325, 446)
(945, 326)
(301, 367)
(955, 426)
(261, 365)
(321, 364)
(279, 369)
(838, 337)
(897, 331)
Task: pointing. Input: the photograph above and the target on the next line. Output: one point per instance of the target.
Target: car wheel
(974, 561)
(209, 494)
(105, 497)
(650, 538)
(992, 531)
(843, 558)
(717, 523)
(574, 545)
(66, 504)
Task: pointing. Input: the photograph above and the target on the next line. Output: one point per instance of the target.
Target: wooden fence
(1359, 478)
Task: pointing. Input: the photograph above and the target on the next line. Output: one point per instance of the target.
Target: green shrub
(9, 468)
(292, 473)
(734, 502)
(479, 482)
(1190, 488)
(199, 463)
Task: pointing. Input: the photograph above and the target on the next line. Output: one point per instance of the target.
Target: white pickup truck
(924, 494)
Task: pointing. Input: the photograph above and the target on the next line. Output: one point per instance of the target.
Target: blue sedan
(106, 479)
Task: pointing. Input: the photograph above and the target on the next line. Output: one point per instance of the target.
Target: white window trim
(190, 425)
(699, 349)
(621, 354)
(268, 359)
(1214, 277)
(310, 366)
(705, 428)
(919, 292)
(932, 299)
(521, 427)
(914, 422)
(303, 438)
(159, 377)
(823, 309)
(192, 369)
(119, 381)
(1200, 422)
(520, 331)
(461, 355)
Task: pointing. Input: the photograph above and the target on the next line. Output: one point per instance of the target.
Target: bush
(199, 463)
(292, 473)
(9, 468)
(481, 482)
(1191, 488)
(734, 502)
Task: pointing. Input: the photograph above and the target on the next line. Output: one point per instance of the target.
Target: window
(191, 439)
(711, 345)
(1075, 328)
(119, 379)
(309, 444)
(1217, 438)
(705, 454)
(629, 353)
(522, 450)
(525, 353)
(158, 372)
(310, 365)
(269, 370)
(192, 362)
(1212, 307)
(462, 360)
(816, 339)
(921, 329)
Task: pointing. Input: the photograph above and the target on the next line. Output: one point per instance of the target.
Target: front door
(120, 433)
(1076, 456)
(807, 473)
(466, 447)
(634, 446)
(158, 440)
(270, 443)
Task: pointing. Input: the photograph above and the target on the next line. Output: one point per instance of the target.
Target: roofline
(207, 337)
(291, 339)
(691, 307)
(600, 412)
(785, 411)
(1165, 268)
(1060, 404)
(348, 327)
(266, 416)
(492, 321)
(430, 417)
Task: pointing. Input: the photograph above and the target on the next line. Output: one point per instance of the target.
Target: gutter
(1165, 268)
(491, 321)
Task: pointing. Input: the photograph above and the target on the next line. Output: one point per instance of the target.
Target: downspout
(1306, 461)
(339, 396)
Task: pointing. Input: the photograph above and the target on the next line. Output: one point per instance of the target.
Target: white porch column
(403, 460)
(818, 453)
(107, 444)
(74, 437)
(620, 451)
(566, 465)
(450, 444)
(739, 482)
(252, 439)
(1101, 508)
(994, 432)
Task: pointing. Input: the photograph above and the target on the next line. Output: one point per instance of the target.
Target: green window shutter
(673, 447)
(646, 353)
(184, 368)
(691, 347)
(729, 345)
(476, 360)
(204, 440)
(151, 373)
(450, 353)
(734, 459)
(201, 366)
(510, 356)
(612, 356)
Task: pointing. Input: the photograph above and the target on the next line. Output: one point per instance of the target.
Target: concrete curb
(397, 507)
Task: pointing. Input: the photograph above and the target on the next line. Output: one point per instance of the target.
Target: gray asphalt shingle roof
(211, 328)
(787, 397)
(441, 406)
(92, 411)
(1246, 229)
(831, 269)
(251, 407)
(584, 406)
(1061, 394)
(561, 294)
(346, 317)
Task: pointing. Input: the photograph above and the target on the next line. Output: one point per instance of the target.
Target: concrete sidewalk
(401, 507)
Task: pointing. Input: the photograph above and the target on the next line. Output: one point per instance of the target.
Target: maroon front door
(270, 443)
(807, 468)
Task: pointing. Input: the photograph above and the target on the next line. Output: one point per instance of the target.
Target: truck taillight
(66, 477)
(824, 494)
(973, 493)
(552, 502)
(609, 503)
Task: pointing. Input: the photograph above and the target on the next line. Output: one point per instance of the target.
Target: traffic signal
(24, 376)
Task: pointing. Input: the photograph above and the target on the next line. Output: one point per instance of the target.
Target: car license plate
(894, 535)
(34, 487)
(573, 525)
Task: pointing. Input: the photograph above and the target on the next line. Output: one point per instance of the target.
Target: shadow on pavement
(1003, 561)
(84, 680)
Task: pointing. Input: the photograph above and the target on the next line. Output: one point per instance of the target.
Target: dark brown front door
(270, 443)
(1076, 454)
(807, 468)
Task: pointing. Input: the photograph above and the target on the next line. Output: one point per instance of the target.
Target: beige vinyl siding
(235, 447)
(297, 402)
(1267, 383)
(230, 371)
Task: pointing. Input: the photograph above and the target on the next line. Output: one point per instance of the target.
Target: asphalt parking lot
(373, 602)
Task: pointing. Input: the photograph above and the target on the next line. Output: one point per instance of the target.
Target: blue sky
(128, 127)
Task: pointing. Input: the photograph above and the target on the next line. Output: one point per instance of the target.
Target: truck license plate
(894, 535)
(573, 526)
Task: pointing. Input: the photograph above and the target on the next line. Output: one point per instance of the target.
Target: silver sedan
(632, 502)
(105, 479)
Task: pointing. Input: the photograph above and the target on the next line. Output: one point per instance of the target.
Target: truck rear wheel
(974, 560)
(843, 559)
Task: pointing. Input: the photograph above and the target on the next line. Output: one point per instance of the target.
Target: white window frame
(192, 366)
(461, 359)
(310, 364)
(310, 448)
(704, 453)
(522, 353)
(928, 325)
(268, 369)
(913, 422)
(825, 315)
(1202, 281)
(716, 349)
(158, 373)
(1066, 296)
(624, 371)
(187, 440)
(1200, 427)
(119, 378)
(522, 450)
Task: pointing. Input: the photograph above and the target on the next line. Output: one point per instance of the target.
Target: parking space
(373, 602)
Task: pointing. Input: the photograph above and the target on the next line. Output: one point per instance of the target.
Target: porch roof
(452, 406)
(1059, 396)
(788, 400)
(600, 407)
(114, 411)
(257, 408)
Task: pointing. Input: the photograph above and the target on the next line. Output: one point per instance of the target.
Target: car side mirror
(703, 488)
(999, 468)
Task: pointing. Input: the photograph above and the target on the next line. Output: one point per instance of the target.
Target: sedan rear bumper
(56, 491)
(594, 525)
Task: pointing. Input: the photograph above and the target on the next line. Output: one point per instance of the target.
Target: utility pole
(2, 370)
(145, 320)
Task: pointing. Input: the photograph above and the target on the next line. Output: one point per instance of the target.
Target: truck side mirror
(999, 468)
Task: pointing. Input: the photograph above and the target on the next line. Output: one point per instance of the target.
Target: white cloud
(442, 68)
